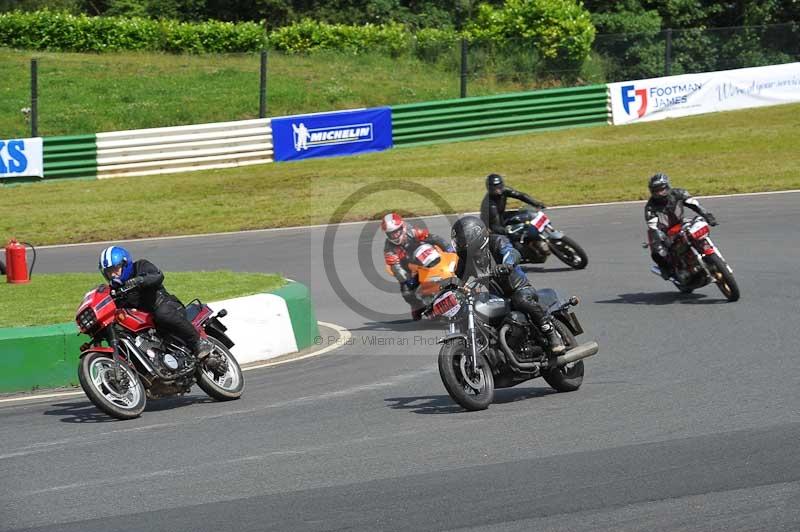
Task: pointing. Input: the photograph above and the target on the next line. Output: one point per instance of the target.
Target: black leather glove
(416, 314)
(540, 205)
(711, 219)
(133, 282)
(502, 269)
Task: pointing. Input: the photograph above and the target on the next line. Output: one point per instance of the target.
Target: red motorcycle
(137, 363)
(697, 260)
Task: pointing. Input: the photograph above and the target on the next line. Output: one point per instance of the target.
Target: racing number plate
(540, 220)
(446, 305)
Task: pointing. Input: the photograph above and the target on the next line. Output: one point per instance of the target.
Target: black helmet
(494, 184)
(659, 186)
(469, 234)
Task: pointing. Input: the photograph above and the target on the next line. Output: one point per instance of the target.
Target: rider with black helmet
(663, 210)
(483, 254)
(493, 206)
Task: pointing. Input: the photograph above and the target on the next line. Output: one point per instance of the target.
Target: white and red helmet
(394, 227)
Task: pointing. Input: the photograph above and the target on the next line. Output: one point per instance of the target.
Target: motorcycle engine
(167, 362)
(519, 337)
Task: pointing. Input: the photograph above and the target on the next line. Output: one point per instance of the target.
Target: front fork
(700, 256)
(113, 341)
(471, 331)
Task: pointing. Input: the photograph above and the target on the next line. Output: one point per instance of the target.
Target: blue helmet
(112, 258)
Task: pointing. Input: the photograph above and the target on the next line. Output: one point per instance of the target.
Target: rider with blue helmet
(143, 282)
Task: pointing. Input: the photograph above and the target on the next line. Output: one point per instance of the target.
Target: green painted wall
(301, 312)
(39, 357)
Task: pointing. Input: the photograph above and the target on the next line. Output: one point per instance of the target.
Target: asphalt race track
(688, 418)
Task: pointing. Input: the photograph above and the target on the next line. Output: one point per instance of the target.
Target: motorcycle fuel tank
(490, 307)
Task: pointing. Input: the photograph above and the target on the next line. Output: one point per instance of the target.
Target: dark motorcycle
(138, 363)
(535, 238)
(697, 260)
(490, 346)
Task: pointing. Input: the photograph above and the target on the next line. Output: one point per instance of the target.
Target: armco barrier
(488, 116)
(74, 156)
(47, 357)
(184, 148)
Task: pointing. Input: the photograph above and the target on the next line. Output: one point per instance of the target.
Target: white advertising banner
(708, 92)
(21, 158)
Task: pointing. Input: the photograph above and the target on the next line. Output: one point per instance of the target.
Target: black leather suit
(493, 208)
(168, 312)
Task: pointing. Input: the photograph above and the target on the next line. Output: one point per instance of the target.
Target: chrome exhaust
(578, 353)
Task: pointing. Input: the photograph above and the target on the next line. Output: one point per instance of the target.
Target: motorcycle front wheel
(123, 399)
(569, 252)
(723, 276)
(472, 388)
(225, 381)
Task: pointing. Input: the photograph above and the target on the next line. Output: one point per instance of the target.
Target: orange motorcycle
(432, 268)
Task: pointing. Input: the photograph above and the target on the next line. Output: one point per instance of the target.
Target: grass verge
(92, 93)
(741, 151)
(54, 298)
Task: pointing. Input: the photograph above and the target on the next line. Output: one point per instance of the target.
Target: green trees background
(566, 40)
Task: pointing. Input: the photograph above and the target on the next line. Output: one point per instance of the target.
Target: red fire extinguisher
(17, 267)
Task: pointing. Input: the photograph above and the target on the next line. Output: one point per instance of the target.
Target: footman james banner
(332, 134)
(21, 158)
(691, 94)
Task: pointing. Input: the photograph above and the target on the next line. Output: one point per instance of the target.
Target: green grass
(54, 298)
(743, 151)
(92, 93)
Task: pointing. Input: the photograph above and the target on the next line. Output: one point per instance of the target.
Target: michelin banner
(21, 158)
(692, 94)
(332, 134)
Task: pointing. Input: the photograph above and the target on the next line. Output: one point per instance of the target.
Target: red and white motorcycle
(697, 260)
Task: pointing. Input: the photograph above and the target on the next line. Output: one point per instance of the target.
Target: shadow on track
(86, 412)
(443, 404)
(426, 404)
(541, 269)
(408, 325)
(663, 298)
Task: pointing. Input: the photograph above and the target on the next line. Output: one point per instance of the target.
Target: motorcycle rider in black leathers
(493, 206)
(402, 239)
(483, 254)
(665, 209)
(143, 283)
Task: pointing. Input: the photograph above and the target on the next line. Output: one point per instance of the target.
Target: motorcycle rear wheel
(570, 377)
(122, 401)
(569, 252)
(723, 277)
(451, 370)
(222, 387)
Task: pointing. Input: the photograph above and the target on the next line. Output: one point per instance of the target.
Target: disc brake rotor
(469, 376)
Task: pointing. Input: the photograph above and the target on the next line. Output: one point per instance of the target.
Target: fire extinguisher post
(17, 271)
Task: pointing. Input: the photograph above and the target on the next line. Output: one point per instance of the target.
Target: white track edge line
(318, 226)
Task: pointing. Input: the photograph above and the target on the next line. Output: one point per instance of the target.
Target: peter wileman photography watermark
(374, 340)
(377, 277)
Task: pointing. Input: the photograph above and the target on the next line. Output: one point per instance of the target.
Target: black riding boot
(556, 343)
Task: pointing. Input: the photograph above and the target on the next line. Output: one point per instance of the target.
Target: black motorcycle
(535, 238)
(490, 346)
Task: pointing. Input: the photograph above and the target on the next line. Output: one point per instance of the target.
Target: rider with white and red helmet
(402, 239)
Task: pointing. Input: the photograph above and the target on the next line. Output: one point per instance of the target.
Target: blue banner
(332, 134)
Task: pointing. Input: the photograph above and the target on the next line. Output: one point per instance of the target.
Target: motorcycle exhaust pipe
(578, 353)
